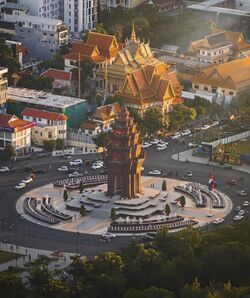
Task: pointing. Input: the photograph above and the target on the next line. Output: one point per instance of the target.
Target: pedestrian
(23, 257)
(26, 251)
(16, 247)
(29, 257)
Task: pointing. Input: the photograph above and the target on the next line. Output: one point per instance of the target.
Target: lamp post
(77, 242)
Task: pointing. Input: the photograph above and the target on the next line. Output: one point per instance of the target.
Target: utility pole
(79, 75)
(106, 82)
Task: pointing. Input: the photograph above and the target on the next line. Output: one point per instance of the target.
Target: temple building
(140, 79)
(98, 49)
(227, 78)
(218, 47)
(124, 157)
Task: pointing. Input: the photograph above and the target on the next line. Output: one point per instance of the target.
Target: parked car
(160, 148)
(105, 240)
(186, 132)
(63, 169)
(97, 166)
(155, 172)
(155, 141)
(241, 212)
(176, 136)
(75, 175)
(75, 162)
(146, 145)
(4, 169)
(39, 171)
(20, 186)
(71, 170)
(237, 208)
(242, 193)
(246, 204)
(192, 145)
(238, 217)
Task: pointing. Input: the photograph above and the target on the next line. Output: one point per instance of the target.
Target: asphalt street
(15, 230)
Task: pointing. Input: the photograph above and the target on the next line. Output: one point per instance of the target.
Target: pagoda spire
(133, 34)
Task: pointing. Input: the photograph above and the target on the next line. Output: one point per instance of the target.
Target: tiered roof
(233, 75)
(107, 112)
(98, 48)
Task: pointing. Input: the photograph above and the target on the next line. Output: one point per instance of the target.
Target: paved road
(32, 235)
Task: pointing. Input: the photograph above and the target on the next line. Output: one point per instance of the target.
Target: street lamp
(77, 242)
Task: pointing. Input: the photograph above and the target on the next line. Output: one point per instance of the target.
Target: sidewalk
(30, 254)
(187, 155)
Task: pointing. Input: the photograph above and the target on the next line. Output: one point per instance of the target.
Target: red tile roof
(102, 41)
(57, 74)
(44, 114)
(11, 121)
(89, 124)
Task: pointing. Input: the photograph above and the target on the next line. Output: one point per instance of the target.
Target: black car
(71, 170)
(39, 171)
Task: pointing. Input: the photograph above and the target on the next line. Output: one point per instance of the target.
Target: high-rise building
(80, 15)
(3, 89)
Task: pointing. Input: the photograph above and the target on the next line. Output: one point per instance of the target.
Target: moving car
(107, 234)
(39, 171)
(75, 162)
(96, 166)
(20, 185)
(27, 180)
(75, 175)
(242, 193)
(238, 217)
(246, 204)
(71, 170)
(218, 221)
(232, 182)
(63, 169)
(4, 169)
(189, 173)
(105, 240)
(155, 172)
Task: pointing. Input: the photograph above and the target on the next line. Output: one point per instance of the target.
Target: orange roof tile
(107, 111)
(89, 124)
(57, 74)
(11, 121)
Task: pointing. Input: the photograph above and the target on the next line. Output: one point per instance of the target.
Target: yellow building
(229, 78)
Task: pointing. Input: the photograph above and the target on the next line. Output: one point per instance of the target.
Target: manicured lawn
(7, 256)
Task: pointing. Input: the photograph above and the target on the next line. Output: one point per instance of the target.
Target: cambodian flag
(211, 182)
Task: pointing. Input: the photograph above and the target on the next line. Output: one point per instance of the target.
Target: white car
(20, 185)
(189, 173)
(192, 145)
(186, 132)
(27, 180)
(97, 166)
(238, 217)
(163, 143)
(176, 136)
(205, 127)
(241, 212)
(218, 221)
(155, 172)
(108, 235)
(4, 169)
(160, 148)
(63, 169)
(242, 193)
(246, 204)
(155, 141)
(76, 162)
(146, 145)
(75, 175)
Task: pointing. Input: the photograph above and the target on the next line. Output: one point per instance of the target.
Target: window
(205, 88)
(196, 86)
(231, 93)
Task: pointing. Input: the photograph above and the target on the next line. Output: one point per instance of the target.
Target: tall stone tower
(124, 157)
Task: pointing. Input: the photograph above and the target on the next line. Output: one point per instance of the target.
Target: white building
(16, 132)
(45, 8)
(49, 125)
(3, 89)
(80, 15)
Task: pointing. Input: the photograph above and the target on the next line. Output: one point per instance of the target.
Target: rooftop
(44, 114)
(57, 74)
(13, 122)
(41, 98)
(39, 20)
(16, 6)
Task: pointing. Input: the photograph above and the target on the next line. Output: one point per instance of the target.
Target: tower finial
(133, 34)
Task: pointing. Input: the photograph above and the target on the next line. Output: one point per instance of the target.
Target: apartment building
(41, 36)
(16, 132)
(109, 4)
(3, 89)
(80, 15)
(49, 125)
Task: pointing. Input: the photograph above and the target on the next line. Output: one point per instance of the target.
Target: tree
(101, 139)
(164, 185)
(167, 209)
(81, 187)
(155, 121)
(9, 151)
(49, 145)
(37, 83)
(182, 201)
(65, 195)
(113, 214)
(82, 210)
